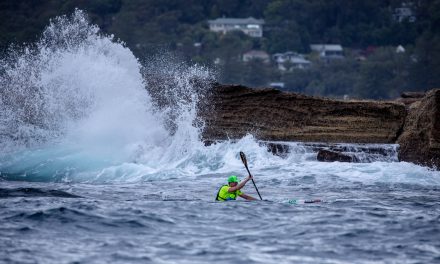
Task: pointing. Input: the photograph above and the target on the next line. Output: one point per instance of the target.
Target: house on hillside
(404, 13)
(328, 51)
(400, 49)
(290, 60)
(256, 55)
(249, 26)
(277, 85)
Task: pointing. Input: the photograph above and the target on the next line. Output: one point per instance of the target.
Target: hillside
(368, 30)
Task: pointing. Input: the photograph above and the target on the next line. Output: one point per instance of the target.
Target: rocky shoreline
(413, 122)
(420, 138)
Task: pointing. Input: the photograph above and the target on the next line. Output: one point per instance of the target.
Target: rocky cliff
(270, 114)
(420, 139)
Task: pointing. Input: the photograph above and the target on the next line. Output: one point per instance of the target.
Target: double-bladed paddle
(243, 159)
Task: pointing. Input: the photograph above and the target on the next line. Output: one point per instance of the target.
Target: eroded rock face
(420, 140)
(270, 114)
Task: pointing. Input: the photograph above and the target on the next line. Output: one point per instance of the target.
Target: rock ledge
(270, 114)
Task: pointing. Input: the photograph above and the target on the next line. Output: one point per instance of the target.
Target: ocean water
(93, 170)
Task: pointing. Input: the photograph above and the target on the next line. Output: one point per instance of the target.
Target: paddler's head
(232, 180)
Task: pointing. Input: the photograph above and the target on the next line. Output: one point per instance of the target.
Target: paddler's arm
(240, 185)
(247, 197)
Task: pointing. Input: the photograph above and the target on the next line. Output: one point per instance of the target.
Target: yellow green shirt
(224, 195)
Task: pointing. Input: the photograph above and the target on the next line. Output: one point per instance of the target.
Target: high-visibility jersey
(224, 195)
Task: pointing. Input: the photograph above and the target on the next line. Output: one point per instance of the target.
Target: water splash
(74, 107)
(71, 81)
(75, 103)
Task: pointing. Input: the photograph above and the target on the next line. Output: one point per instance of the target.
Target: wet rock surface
(329, 156)
(342, 152)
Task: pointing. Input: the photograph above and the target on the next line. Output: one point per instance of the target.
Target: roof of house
(298, 60)
(237, 21)
(400, 49)
(290, 56)
(327, 47)
(256, 53)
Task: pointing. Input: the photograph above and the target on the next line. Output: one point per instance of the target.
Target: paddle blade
(243, 158)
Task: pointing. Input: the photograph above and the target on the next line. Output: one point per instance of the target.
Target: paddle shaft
(253, 181)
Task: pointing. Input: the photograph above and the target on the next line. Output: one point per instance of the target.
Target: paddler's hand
(250, 177)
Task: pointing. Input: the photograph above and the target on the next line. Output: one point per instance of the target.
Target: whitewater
(94, 169)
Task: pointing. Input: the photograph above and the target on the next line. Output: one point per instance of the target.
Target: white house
(277, 85)
(290, 60)
(328, 51)
(256, 55)
(400, 49)
(404, 13)
(249, 26)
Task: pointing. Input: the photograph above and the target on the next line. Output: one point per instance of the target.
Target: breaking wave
(78, 106)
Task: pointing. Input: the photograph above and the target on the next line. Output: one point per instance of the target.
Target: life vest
(224, 195)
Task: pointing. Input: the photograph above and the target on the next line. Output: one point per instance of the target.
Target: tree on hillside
(256, 73)
(384, 75)
(425, 72)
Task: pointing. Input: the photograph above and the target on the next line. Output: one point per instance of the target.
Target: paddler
(232, 190)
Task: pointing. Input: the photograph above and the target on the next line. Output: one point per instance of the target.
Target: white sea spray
(78, 106)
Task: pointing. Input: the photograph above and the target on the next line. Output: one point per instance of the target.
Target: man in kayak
(232, 190)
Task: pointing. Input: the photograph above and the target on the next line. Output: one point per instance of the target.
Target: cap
(232, 178)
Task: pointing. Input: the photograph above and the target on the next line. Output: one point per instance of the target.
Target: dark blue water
(93, 170)
(177, 221)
